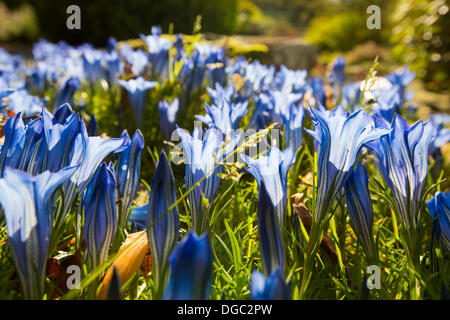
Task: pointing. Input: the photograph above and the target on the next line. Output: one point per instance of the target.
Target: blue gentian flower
(88, 152)
(351, 95)
(338, 71)
(66, 92)
(100, 220)
(179, 45)
(294, 81)
(158, 52)
(388, 102)
(258, 78)
(442, 134)
(59, 139)
(112, 67)
(27, 206)
(401, 79)
(92, 127)
(162, 224)
(220, 94)
(111, 44)
(92, 65)
(403, 162)
(22, 101)
(192, 72)
(225, 115)
(139, 217)
(137, 89)
(128, 169)
(339, 138)
(11, 149)
(439, 208)
(168, 117)
(272, 252)
(264, 112)
(138, 61)
(213, 59)
(203, 156)
(318, 91)
(272, 288)
(360, 208)
(293, 130)
(190, 269)
(272, 169)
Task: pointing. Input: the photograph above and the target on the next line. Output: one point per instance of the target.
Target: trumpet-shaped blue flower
(100, 220)
(190, 269)
(351, 95)
(401, 79)
(272, 288)
(137, 89)
(163, 224)
(203, 156)
(158, 52)
(22, 101)
(138, 61)
(360, 208)
(388, 102)
(128, 169)
(220, 94)
(439, 208)
(272, 252)
(442, 134)
(225, 115)
(112, 67)
(88, 152)
(27, 205)
(92, 127)
(258, 78)
(318, 91)
(11, 149)
(92, 65)
(338, 71)
(66, 92)
(339, 138)
(213, 59)
(168, 117)
(294, 81)
(59, 139)
(403, 162)
(272, 170)
(293, 130)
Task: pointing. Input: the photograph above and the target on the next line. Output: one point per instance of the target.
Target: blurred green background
(413, 32)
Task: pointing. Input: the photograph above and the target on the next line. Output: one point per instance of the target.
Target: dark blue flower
(128, 169)
(100, 217)
(168, 117)
(162, 224)
(190, 269)
(439, 208)
(360, 208)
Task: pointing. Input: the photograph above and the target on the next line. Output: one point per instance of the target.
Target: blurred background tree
(421, 39)
(125, 19)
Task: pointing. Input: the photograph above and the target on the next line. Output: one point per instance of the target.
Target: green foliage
(341, 32)
(18, 24)
(421, 39)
